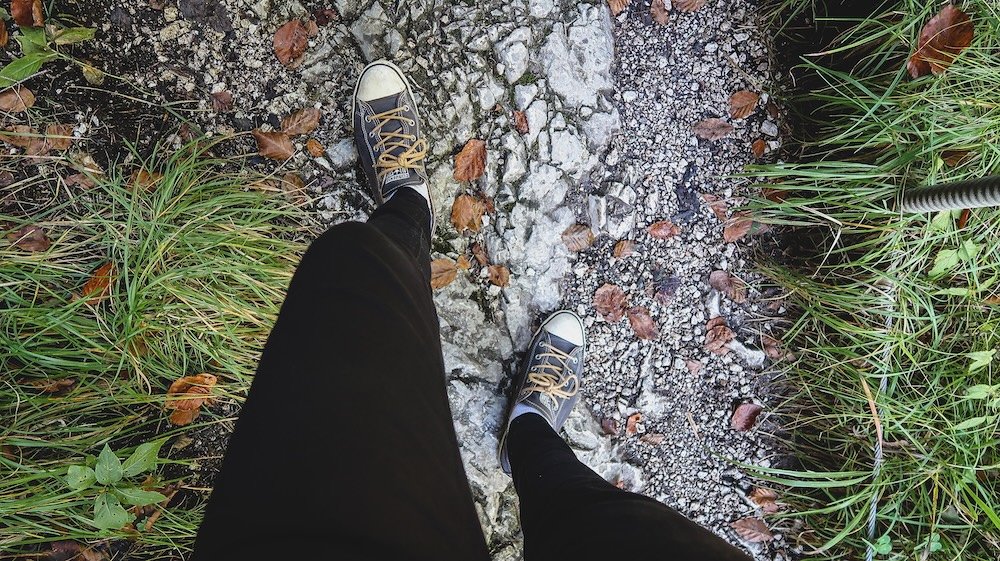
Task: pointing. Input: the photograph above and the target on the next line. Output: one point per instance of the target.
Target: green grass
(202, 263)
(867, 308)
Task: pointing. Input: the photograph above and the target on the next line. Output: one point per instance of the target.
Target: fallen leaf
(144, 180)
(773, 348)
(963, 218)
(664, 285)
(290, 41)
(693, 366)
(617, 6)
(312, 28)
(315, 148)
(624, 248)
(186, 396)
(59, 136)
(443, 272)
(765, 499)
(274, 145)
(470, 163)
(521, 122)
(99, 285)
(737, 227)
(499, 275)
(16, 99)
(295, 188)
(222, 102)
(653, 438)
(467, 213)
(610, 426)
(717, 334)
(942, 38)
(774, 195)
(955, 157)
(324, 16)
(66, 550)
(688, 5)
(6, 177)
(27, 13)
(745, 416)
(18, 135)
(729, 285)
(4, 37)
(663, 230)
(742, 104)
(659, 12)
(303, 121)
(758, 148)
(642, 324)
(578, 237)
(753, 530)
(463, 263)
(712, 129)
(487, 202)
(30, 238)
(52, 385)
(480, 254)
(92, 74)
(716, 205)
(631, 424)
(80, 180)
(37, 146)
(610, 302)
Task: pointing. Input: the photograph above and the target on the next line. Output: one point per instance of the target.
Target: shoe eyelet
(406, 108)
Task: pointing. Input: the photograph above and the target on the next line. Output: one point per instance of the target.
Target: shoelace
(550, 378)
(413, 150)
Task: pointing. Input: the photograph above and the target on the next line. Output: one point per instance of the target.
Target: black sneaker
(387, 132)
(549, 383)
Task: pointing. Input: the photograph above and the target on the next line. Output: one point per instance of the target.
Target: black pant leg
(345, 448)
(570, 512)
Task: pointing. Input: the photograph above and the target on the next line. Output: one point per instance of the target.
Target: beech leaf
(27, 13)
(631, 424)
(729, 285)
(470, 163)
(610, 302)
(30, 238)
(294, 188)
(712, 129)
(315, 148)
(765, 499)
(624, 248)
(758, 147)
(617, 6)
(99, 285)
(578, 237)
(642, 323)
(303, 121)
(467, 213)
(499, 275)
(941, 39)
(745, 416)
(443, 272)
(186, 395)
(290, 41)
(737, 227)
(274, 145)
(16, 99)
(689, 5)
(716, 205)
(742, 104)
(664, 229)
(59, 136)
(717, 334)
(4, 36)
(658, 10)
(222, 102)
(753, 530)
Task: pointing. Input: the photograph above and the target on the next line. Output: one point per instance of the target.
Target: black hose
(974, 193)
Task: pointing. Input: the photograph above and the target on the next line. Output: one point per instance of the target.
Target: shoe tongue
(560, 343)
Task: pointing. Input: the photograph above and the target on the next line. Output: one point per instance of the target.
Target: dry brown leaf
(30, 238)
(144, 180)
(480, 254)
(463, 263)
(499, 275)
(38, 146)
(653, 438)
(774, 195)
(578, 237)
(325, 16)
(443, 272)
(303, 121)
(942, 38)
(521, 122)
(470, 163)
(610, 302)
(765, 499)
(27, 13)
(294, 188)
(312, 28)
(753, 530)
(963, 218)
(80, 180)
(742, 104)
(955, 157)
(99, 285)
(658, 10)
(642, 323)
(745, 416)
(467, 213)
(689, 5)
(663, 230)
(4, 36)
(18, 135)
(716, 205)
(290, 41)
(59, 136)
(758, 147)
(274, 145)
(693, 366)
(186, 396)
(729, 285)
(610, 426)
(315, 148)
(52, 385)
(773, 348)
(631, 424)
(624, 248)
(71, 551)
(717, 334)
(617, 6)
(222, 102)
(16, 99)
(737, 227)
(712, 129)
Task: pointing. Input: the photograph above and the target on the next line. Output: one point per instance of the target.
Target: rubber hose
(974, 193)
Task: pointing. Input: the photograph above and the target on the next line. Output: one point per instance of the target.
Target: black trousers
(345, 448)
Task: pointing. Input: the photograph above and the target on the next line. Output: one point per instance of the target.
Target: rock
(600, 128)
(342, 154)
(769, 128)
(524, 95)
(577, 58)
(369, 31)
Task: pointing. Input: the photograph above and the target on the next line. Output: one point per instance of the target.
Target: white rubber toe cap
(380, 79)
(566, 325)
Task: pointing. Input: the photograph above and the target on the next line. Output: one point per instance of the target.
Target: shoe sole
(416, 110)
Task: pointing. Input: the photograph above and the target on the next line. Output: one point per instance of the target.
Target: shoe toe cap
(567, 326)
(378, 81)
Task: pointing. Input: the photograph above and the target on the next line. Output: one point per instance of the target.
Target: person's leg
(570, 512)
(345, 447)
